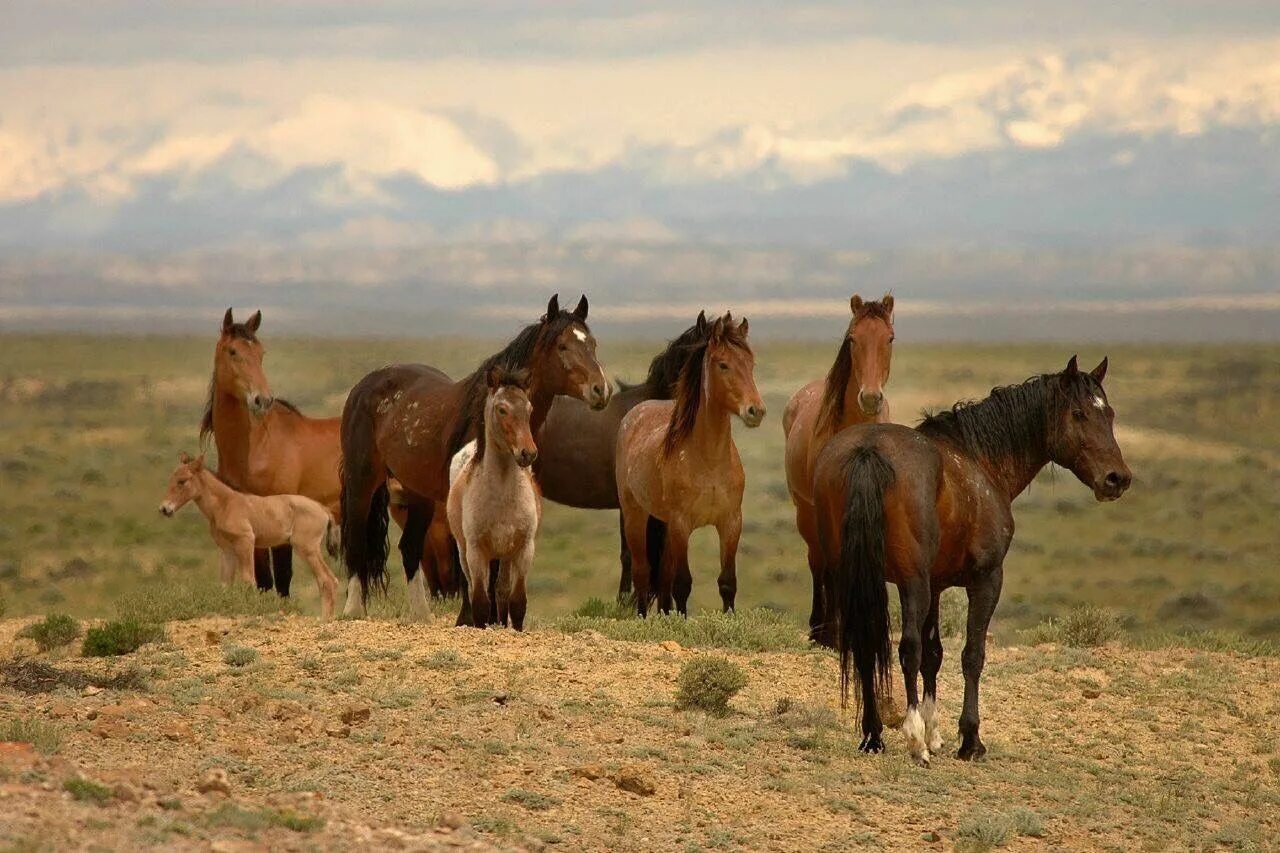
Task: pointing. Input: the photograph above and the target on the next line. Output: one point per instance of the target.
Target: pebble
(215, 781)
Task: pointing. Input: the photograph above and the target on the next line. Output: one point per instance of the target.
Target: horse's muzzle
(525, 458)
(166, 510)
(598, 396)
(1113, 485)
(753, 415)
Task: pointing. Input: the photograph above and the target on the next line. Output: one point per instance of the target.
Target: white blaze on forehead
(580, 335)
(1099, 403)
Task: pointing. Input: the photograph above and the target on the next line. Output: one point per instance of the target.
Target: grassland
(90, 428)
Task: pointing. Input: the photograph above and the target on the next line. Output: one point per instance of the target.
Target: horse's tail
(364, 490)
(860, 604)
(655, 539)
(333, 538)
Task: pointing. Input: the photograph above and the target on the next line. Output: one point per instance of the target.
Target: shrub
(86, 790)
(444, 660)
(708, 683)
(1028, 823)
(45, 737)
(755, 630)
(531, 800)
(56, 629)
(167, 601)
(239, 656)
(1082, 627)
(599, 608)
(119, 638)
(984, 830)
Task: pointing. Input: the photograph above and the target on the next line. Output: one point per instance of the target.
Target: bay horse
(265, 445)
(677, 462)
(852, 393)
(241, 522)
(436, 566)
(931, 508)
(406, 421)
(494, 507)
(576, 446)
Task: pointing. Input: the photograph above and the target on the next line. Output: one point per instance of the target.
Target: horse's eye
(892, 338)
(724, 365)
(504, 411)
(232, 352)
(1079, 414)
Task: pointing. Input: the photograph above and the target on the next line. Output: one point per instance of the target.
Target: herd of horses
(462, 466)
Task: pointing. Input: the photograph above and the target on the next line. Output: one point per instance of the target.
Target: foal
(494, 504)
(677, 463)
(240, 522)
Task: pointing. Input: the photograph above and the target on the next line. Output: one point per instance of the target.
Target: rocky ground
(283, 732)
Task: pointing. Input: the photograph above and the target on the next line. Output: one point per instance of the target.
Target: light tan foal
(240, 522)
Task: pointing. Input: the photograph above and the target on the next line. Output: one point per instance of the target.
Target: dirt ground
(398, 736)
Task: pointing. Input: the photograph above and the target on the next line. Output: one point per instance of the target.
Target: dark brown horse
(576, 446)
(931, 508)
(408, 420)
(265, 445)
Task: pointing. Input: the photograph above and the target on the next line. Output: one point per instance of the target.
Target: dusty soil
(427, 737)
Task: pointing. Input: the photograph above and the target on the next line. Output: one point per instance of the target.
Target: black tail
(860, 603)
(655, 537)
(364, 490)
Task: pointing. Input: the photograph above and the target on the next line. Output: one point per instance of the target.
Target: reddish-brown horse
(408, 420)
(576, 446)
(676, 462)
(265, 445)
(931, 508)
(852, 393)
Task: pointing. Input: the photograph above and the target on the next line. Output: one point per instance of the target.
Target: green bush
(599, 608)
(239, 656)
(160, 602)
(756, 630)
(1083, 626)
(45, 737)
(56, 629)
(119, 638)
(86, 790)
(708, 683)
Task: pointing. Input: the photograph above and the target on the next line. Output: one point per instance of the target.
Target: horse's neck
(232, 433)
(498, 462)
(213, 496)
(539, 404)
(712, 432)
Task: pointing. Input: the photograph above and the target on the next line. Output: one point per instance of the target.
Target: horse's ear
(581, 311)
(198, 464)
(184, 458)
(1072, 371)
(521, 378)
(227, 322)
(702, 322)
(855, 304)
(742, 327)
(887, 302)
(1099, 372)
(553, 307)
(494, 378)
(254, 322)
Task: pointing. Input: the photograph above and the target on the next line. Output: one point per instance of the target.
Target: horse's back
(576, 449)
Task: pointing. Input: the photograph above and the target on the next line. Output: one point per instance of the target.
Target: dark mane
(664, 370)
(1013, 421)
(239, 331)
(831, 408)
(515, 356)
(506, 377)
(688, 396)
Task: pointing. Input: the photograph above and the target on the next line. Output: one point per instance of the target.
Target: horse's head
(507, 413)
(729, 370)
(1082, 437)
(237, 363)
(184, 484)
(870, 339)
(569, 364)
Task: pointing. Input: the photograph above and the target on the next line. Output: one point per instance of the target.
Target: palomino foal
(495, 507)
(240, 522)
(677, 463)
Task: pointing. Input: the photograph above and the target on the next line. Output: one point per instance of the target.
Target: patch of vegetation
(1209, 641)
(119, 638)
(54, 630)
(233, 816)
(708, 682)
(167, 601)
(444, 660)
(88, 791)
(756, 630)
(982, 830)
(531, 800)
(602, 608)
(239, 656)
(30, 677)
(1084, 626)
(45, 737)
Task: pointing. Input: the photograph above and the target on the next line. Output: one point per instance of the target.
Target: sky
(160, 134)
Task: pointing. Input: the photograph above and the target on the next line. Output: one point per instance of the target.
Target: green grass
(1083, 626)
(53, 631)
(756, 630)
(708, 682)
(88, 791)
(531, 800)
(119, 638)
(44, 736)
(239, 656)
(252, 820)
(193, 598)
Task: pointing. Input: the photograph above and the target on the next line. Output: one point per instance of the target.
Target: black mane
(664, 369)
(688, 391)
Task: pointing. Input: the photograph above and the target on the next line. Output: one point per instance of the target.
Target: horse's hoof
(971, 752)
(872, 745)
(921, 760)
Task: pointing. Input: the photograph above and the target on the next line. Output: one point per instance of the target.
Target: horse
(676, 462)
(241, 522)
(436, 565)
(265, 445)
(407, 421)
(576, 446)
(930, 508)
(821, 409)
(494, 507)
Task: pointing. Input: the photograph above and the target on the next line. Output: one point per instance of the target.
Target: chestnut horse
(265, 445)
(408, 420)
(676, 462)
(853, 393)
(931, 508)
(494, 506)
(576, 446)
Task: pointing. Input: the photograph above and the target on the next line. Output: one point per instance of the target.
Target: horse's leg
(325, 581)
(872, 727)
(730, 530)
(282, 568)
(915, 598)
(624, 557)
(502, 592)
(226, 565)
(412, 537)
(635, 523)
(930, 663)
(519, 599)
(478, 582)
(807, 524)
(674, 557)
(262, 569)
(984, 592)
(243, 549)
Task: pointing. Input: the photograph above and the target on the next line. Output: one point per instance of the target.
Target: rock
(355, 714)
(125, 793)
(111, 728)
(671, 646)
(635, 779)
(91, 690)
(212, 638)
(215, 781)
(590, 772)
(500, 698)
(178, 733)
(338, 731)
(546, 714)
(286, 710)
(1091, 693)
(452, 820)
(931, 837)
